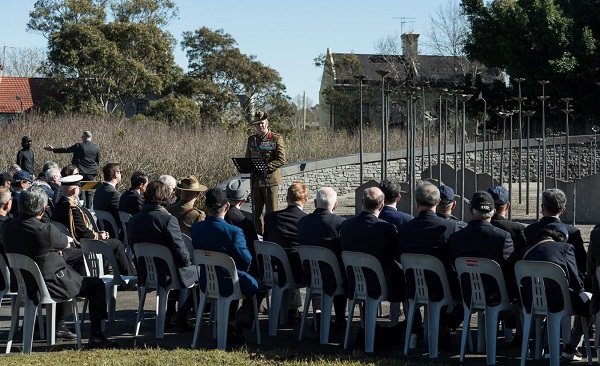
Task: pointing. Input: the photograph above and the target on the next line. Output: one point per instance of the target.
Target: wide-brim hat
(235, 190)
(191, 183)
(259, 117)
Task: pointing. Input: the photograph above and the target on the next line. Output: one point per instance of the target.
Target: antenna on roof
(404, 20)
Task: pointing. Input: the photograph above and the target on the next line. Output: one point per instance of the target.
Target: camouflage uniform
(264, 189)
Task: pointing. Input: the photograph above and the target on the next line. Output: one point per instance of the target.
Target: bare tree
(24, 62)
(447, 33)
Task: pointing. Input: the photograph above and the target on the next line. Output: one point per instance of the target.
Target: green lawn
(194, 357)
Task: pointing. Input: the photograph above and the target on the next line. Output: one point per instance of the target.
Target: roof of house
(31, 91)
(435, 69)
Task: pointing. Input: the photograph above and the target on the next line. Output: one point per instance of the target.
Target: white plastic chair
(475, 268)
(538, 272)
(94, 253)
(211, 260)
(124, 217)
(360, 261)
(419, 263)
(313, 255)
(105, 216)
(278, 306)
(18, 263)
(150, 252)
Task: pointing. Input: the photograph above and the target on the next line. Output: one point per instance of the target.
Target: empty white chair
(313, 255)
(538, 272)
(474, 268)
(150, 253)
(419, 263)
(22, 264)
(359, 261)
(278, 309)
(94, 253)
(211, 260)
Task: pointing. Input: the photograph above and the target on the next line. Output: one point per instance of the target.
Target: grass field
(196, 357)
(179, 151)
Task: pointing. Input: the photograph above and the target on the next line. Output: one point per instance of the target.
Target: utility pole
(404, 20)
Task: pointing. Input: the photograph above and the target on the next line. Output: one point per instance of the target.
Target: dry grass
(159, 149)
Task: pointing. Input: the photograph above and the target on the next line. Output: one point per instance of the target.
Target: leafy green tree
(555, 40)
(228, 84)
(175, 110)
(101, 64)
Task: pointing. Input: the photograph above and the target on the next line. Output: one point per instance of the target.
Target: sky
(284, 35)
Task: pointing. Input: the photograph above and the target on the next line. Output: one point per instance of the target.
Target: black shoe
(65, 333)
(100, 341)
(338, 327)
(184, 325)
(128, 287)
(294, 317)
(235, 335)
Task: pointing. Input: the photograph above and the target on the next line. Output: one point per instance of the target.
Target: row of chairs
(474, 267)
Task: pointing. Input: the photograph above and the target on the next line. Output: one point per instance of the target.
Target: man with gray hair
(367, 233)
(322, 228)
(5, 204)
(554, 204)
(53, 178)
(481, 239)
(428, 234)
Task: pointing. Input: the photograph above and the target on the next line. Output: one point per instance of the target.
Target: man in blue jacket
(217, 235)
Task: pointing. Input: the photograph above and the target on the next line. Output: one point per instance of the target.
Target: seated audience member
(13, 169)
(46, 166)
(215, 234)
(44, 243)
(368, 234)
(5, 180)
(53, 178)
(236, 194)
(131, 200)
(502, 205)
(106, 197)
(20, 182)
(447, 205)
(392, 192)
(153, 224)
(69, 169)
(69, 213)
(189, 189)
(5, 205)
(281, 228)
(171, 184)
(481, 239)
(322, 228)
(552, 246)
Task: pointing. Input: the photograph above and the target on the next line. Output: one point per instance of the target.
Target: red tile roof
(31, 91)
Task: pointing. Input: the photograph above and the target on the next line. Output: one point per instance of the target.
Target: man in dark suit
(551, 247)
(447, 205)
(393, 194)
(368, 234)
(554, 203)
(86, 156)
(131, 201)
(322, 228)
(153, 224)
(481, 239)
(68, 212)
(45, 244)
(593, 262)
(237, 194)
(106, 197)
(281, 228)
(502, 205)
(214, 233)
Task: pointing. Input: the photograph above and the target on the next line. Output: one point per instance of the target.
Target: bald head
(373, 200)
(326, 198)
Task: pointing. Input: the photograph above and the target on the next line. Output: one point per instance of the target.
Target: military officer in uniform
(269, 146)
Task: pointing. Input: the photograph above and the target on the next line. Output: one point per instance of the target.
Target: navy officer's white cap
(71, 180)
